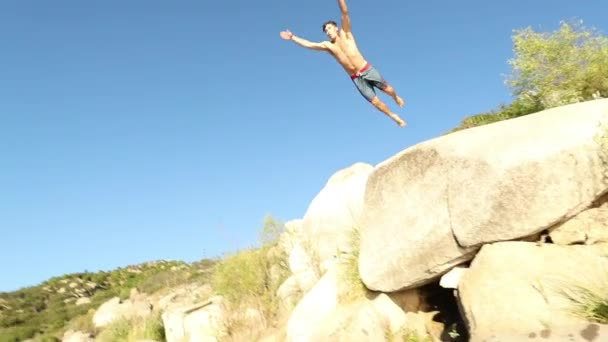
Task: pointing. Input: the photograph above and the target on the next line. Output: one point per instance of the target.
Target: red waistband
(367, 66)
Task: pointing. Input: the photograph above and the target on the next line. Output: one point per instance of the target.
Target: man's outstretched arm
(345, 16)
(303, 42)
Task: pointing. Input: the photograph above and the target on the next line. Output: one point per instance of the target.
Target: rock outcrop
(137, 305)
(334, 211)
(523, 288)
(432, 206)
(508, 221)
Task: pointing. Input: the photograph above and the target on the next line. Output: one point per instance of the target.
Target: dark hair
(329, 22)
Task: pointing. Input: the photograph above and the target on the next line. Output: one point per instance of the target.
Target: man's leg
(367, 91)
(384, 109)
(392, 93)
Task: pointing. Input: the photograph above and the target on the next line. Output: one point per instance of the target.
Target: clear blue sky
(140, 130)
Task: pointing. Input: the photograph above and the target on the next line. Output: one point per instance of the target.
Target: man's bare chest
(344, 47)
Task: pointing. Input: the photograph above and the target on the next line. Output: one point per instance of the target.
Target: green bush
(251, 277)
(589, 304)
(350, 284)
(83, 322)
(17, 333)
(551, 69)
(561, 67)
(151, 328)
(519, 107)
(165, 279)
(598, 310)
(240, 275)
(117, 331)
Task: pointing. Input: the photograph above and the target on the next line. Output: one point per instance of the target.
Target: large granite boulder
(430, 207)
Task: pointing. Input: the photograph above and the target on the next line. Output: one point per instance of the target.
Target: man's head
(331, 29)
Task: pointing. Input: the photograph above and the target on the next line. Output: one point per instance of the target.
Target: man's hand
(287, 35)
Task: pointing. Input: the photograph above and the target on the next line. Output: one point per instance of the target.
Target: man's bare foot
(399, 101)
(398, 120)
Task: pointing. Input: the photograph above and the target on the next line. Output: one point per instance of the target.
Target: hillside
(48, 308)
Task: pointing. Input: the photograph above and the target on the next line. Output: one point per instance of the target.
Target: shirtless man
(343, 48)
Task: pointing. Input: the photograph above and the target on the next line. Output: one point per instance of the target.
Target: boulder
(316, 306)
(431, 206)
(201, 322)
(335, 211)
(525, 289)
(115, 308)
(589, 227)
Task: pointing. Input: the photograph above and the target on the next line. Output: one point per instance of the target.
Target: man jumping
(343, 48)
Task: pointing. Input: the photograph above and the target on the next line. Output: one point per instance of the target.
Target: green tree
(565, 66)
